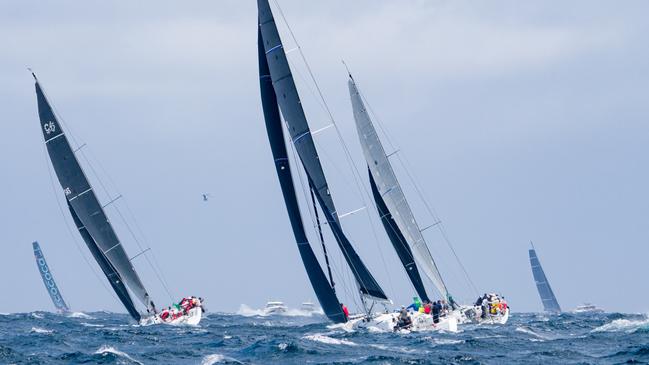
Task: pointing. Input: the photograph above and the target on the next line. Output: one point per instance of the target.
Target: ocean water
(249, 338)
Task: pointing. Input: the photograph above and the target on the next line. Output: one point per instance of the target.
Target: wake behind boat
(91, 219)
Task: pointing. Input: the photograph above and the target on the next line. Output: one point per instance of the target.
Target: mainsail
(291, 108)
(323, 289)
(48, 280)
(550, 303)
(391, 195)
(87, 212)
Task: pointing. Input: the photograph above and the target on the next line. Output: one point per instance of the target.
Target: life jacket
(427, 309)
(164, 315)
(346, 311)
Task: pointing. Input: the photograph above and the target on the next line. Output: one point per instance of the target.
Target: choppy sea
(221, 338)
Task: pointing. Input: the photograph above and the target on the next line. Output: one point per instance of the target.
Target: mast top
(347, 68)
(33, 74)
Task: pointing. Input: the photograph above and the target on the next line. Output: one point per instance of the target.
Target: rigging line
(347, 153)
(440, 227)
(419, 192)
(70, 133)
(72, 235)
(342, 248)
(335, 265)
(324, 248)
(103, 186)
(131, 217)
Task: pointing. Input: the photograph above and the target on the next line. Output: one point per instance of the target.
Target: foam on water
(40, 330)
(104, 350)
(247, 311)
(218, 358)
(235, 339)
(79, 315)
(329, 340)
(624, 325)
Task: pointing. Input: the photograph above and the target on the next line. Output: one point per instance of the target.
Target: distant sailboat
(278, 92)
(548, 299)
(48, 280)
(90, 218)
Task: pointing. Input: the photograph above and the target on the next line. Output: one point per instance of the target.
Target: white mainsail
(390, 190)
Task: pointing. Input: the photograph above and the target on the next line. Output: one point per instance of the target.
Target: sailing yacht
(550, 303)
(48, 280)
(279, 94)
(402, 227)
(93, 223)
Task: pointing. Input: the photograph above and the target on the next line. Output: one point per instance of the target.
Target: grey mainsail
(550, 303)
(298, 128)
(86, 210)
(48, 279)
(323, 289)
(390, 191)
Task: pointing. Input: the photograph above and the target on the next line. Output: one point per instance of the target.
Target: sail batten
(290, 106)
(48, 279)
(550, 303)
(323, 289)
(391, 194)
(85, 207)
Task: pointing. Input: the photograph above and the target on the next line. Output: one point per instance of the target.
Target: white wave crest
(531, 333)
(247, 311)
(623, 325)
(40, 330)
(36, 315)
(79, 315)
(104, 350)
(329, 340)
(91, 325)
(217, 358)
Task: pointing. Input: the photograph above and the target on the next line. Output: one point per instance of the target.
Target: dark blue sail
(88, 212)
(550, 303)
(398, 241)
(48, 279)
(323, 289)
(107, 268)
(298, 128)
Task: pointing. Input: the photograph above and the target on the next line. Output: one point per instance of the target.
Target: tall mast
(88, 213)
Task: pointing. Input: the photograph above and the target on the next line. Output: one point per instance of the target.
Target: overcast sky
(521, 121)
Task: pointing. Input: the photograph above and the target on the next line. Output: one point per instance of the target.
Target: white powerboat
(309, 307)
(588, 308)
(275, 308)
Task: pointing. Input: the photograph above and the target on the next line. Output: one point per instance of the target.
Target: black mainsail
(550, 303)
(398, 241)
(291, 108)
(323, 289)
(88, 214)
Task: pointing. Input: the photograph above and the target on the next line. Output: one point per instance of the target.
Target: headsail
(48, 280)
(323, 289)
(399, 242)
(291, 108)
(550, 303)
(85, 207)
(390, 191)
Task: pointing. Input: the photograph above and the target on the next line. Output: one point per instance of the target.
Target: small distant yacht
(275, 308)
(588, 308)
(309, 307)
